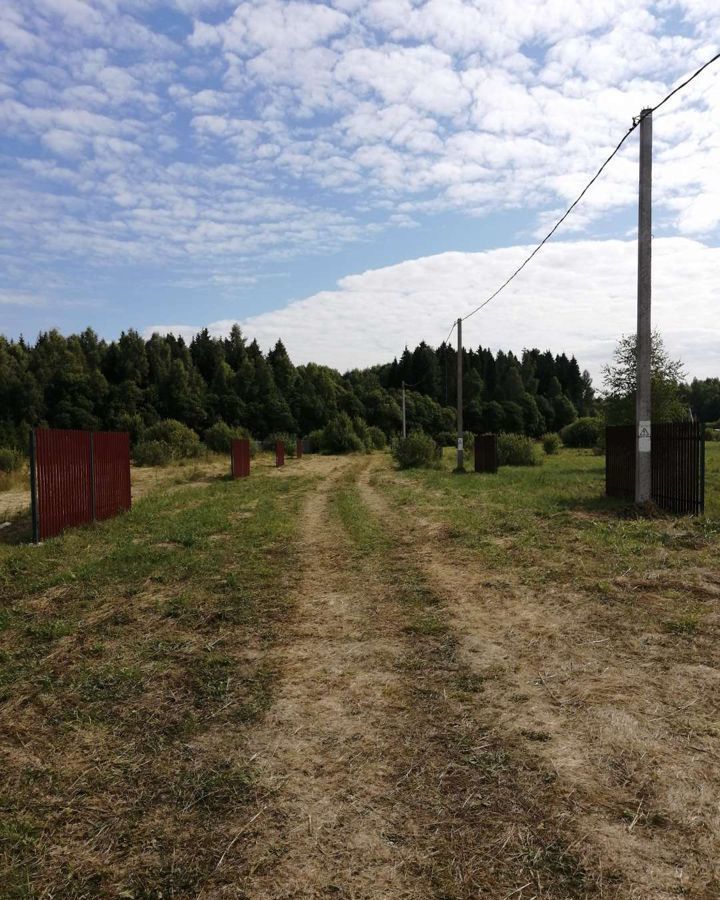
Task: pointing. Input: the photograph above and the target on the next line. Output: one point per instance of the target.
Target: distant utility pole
(643, 472)
(403, 409)
(460, 465)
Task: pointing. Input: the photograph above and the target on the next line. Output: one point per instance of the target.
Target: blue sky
(306, 168)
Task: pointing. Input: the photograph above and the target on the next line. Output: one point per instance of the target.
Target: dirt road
(382, 772)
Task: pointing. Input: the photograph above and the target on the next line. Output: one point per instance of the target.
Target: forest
(81, 381)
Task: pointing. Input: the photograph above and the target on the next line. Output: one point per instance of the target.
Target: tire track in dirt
(494, 630)
(325, 764)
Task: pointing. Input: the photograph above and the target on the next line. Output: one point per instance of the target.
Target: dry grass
(134, 657)
(598, 632)
(363, 684)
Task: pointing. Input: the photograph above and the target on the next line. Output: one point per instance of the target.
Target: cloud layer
(579, 298)
(208, 142)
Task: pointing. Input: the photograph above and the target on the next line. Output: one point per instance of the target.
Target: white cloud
(576, 297)
(9, 297)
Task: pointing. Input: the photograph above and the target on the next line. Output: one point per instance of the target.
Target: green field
(340, 679)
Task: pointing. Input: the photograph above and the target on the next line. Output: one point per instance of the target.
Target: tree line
(81, 381)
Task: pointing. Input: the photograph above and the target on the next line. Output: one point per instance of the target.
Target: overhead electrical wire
(636, 122)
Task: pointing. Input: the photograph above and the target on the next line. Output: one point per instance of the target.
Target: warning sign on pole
(644, 437)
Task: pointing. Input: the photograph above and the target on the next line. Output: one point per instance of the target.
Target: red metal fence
(677, 465)
(77, 477)
(486, 453)
(279, 453)
(240, 458)
(111, 473)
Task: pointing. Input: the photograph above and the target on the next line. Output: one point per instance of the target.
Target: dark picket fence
(620, 461)
(77, 477)
(677, 465)
(240, 457)
(486, 459)
(279, 453)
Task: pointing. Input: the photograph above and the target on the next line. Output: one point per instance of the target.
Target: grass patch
(132, 660)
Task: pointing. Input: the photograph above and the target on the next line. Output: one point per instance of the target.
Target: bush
(416, 451)
(10, 460)
(339, 436)
(516, 450)
(182, 441)
(152, 453)
(289, 440)
(551, 444)
(582, 433)
(363, 432)
(219, 437)
(711, 434)
(315, 440)
(446, 438)
(378, 441)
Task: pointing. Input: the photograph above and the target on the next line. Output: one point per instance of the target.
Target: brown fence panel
(62, 484)
(279, 453)
(299, 448)
(486, 453)
(240, 457)
(677, 466)
(620, 461)
(111, 473)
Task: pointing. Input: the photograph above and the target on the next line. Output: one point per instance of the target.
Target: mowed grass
(598, 632)
(554, 522)
(133, 657)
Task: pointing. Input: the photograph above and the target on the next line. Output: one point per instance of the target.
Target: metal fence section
(111, 473)
(620, 461)
(61, 483)
(677, 465)
(279, 453)
(240, 457)
(486, 453)
(77, 477)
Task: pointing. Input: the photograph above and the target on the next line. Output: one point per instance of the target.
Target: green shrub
(551, 444)
(378, 441)
(10, 460)
(446, 438)
(416, 451)
(289, 440)
(219, 437)
(517, 450)
(339, 436)
(315, 440)
(582, 433)
(711, 434)
(152, 453)
(363, 432)
(182, 441)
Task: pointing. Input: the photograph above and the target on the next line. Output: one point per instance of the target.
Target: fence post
(33, 490)
(298, 448)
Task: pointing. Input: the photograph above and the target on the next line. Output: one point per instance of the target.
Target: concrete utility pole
(460, 465)
(643, 487)
(403, 410)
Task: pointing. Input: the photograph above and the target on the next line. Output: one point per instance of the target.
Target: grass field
(338, 679)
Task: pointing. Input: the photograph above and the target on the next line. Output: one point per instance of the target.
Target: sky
(353, 175)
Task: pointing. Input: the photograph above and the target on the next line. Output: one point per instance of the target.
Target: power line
(636, 122)
(452, 328)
